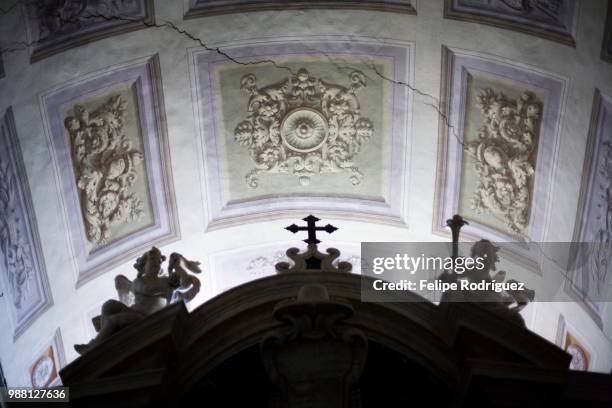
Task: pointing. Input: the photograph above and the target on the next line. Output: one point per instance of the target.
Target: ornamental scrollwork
(303, 126)
(505, 155)
(104, 163)
(261, 265)
(57, 17)
(600, 261)
(550, 8)
(17, 252)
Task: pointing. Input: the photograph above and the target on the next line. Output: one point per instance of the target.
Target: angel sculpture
(151, 291)
(508, 303)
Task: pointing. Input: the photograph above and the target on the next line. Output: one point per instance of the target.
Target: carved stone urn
(313, 360)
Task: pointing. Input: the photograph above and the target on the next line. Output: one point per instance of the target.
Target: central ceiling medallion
(303, 126)
(304, 130)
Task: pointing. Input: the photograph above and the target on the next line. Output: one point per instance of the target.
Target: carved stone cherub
(148, 293)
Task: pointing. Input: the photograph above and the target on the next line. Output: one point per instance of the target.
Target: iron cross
(312, 229)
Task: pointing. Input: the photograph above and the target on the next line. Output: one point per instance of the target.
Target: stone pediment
(172, 354)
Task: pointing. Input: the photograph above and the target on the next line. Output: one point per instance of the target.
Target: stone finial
(312, 260)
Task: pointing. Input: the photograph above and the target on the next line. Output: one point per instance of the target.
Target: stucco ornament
(61, 17)
(43, 371)
(600, 260)
(550, 8)
(104, 163)
(15, 249)
(505, 155)
(303, 126)
(262, 265)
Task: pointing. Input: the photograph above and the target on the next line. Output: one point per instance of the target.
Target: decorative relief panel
(319, 129)
(109, 144)
(200, 8)
(582, 358)
(592, 280)
(551, 19)
(107, 168)
(248, 264)
(497, 147)
(55, 25)
(44, 371)
(261, 266)
(503, 156)
(21, 258)
(606, 47)
(304, 125)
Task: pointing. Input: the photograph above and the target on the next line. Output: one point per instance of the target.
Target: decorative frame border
(606, 46)
(602, 108)
(32, 235)
(145, 75)
(561, 335)
(568, 37)
(59, 355)
(195, 10)
(389, 211)
(85, 37)
(456, 65)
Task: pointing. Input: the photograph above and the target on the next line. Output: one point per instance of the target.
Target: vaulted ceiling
(205, 127)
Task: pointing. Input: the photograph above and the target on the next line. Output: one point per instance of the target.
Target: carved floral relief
(106, 165)
(504, 156)
(21, 264)
(319, 128)
(303, 126)
(109, 146)
(498, 149)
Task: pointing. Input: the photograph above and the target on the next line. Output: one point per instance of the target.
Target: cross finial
(312, 229)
